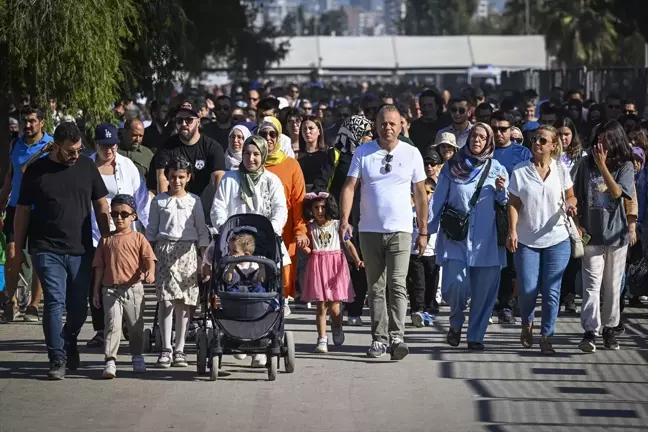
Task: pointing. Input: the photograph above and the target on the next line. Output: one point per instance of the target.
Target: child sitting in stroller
(239, 277)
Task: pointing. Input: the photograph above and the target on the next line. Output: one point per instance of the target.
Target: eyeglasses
(460, 110)
(388, 160)
(542, 140)
(123, 214)
(221, 108)
(268, 133)
(501, 129)
(185, 120)
(72, 152)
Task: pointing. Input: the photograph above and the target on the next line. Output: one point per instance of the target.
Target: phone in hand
(586, 238)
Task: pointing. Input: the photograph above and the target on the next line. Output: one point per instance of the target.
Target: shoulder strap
(480, 184)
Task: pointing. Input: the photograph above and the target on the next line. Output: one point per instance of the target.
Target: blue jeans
(65, 280)
(480, 284)
(541, 271)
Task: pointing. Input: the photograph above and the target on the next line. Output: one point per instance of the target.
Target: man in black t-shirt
(206, 155)
(62, 188)
(219, 129)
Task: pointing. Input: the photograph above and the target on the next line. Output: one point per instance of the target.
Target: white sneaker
(240, 356)
(286, 308)
(259, 360)
(139, 365)
(322, 346)
(110, 371)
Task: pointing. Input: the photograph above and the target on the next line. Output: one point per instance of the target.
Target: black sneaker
(73, 358)
(620, 329)
(454, 337)
(57, 370)
(635, 301)
(506, 317)
(609, 339)
(476, 346)
(570, 304)
(398, 349)
(31, 314)
(588, 344)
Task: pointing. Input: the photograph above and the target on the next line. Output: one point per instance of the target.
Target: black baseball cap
(432, 158)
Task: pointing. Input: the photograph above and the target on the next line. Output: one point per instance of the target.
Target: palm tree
(579, 33)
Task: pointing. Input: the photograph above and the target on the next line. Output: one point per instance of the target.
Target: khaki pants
(386, 258)
(123, 302)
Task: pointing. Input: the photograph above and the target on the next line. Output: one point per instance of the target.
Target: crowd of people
(408, 203)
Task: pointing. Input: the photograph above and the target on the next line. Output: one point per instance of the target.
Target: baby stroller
(246, 322)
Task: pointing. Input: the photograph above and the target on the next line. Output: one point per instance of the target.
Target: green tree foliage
(66, 49)
(86, 53)
(438, 17)
(332, 22)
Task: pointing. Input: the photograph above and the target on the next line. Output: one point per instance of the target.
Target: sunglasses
(72, 152)
(460, 110)
(542, 140)
(185, 120)
(123, 214)
(501, 129)
(629, 112)
(388, 160)
(268, 133)
(221, 108)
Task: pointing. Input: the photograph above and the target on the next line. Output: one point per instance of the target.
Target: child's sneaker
(338, 335)
(428, 319)
(417, 319)
(322, 346)
(179, 359)
(164, 361)
(139, 365)
(110, 371)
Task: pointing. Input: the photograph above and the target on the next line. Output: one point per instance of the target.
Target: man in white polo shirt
(388, 170)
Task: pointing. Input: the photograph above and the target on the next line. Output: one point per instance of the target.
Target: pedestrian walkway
(436, 388)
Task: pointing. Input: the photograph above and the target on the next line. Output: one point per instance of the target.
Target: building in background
(394, 12)
(483, 9)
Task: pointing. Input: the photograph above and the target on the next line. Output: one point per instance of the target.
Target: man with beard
(423, 130)
(30, 145)
(460, 127)
(206, 155)
(157, 133)
(131, 146)
(14, 128)
(61, 189)
(219, 130)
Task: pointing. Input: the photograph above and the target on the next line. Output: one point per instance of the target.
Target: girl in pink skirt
(327, 281)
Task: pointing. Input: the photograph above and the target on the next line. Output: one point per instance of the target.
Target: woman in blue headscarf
(471, 261)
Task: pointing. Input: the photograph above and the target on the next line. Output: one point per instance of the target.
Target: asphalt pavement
(436, 388)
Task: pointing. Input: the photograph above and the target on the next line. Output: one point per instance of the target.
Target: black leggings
(422, 283)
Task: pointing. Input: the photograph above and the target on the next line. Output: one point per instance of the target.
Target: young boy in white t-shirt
(423, 273)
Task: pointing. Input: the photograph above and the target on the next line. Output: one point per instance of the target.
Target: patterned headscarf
(465, 161)
(250, 179)
(351, 133)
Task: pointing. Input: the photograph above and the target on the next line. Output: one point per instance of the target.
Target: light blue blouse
(480, 248)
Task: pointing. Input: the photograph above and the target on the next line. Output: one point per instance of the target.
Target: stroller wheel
(201, 346)
(289, 359)
(272, 368)
(157, 339)
(146, 343)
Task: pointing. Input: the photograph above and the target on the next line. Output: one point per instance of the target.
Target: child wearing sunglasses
(122, 261)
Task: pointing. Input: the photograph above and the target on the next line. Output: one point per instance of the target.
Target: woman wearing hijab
(289, 172)
(471, 261)
(251, 189)
(234, 153)
(355, 131)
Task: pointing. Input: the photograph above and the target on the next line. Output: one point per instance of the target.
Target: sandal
(97, 341)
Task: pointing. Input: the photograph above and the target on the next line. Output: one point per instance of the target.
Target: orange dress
(292, 177)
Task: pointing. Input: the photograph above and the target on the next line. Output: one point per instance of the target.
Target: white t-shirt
(429, 250)
(385, 205)
(541, 224)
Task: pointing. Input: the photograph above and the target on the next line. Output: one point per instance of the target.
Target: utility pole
(527, 17)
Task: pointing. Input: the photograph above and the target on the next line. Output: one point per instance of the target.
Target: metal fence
(631, 83)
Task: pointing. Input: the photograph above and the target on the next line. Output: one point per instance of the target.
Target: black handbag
(454, 224)
(501, 223)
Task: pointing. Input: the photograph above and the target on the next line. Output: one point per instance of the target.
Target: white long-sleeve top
(177, 219)
(269, 200)
(128, 181)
